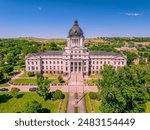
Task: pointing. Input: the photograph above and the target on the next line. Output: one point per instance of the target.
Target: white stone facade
(74, 58)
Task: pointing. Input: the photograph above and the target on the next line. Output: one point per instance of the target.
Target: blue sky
(53, 18)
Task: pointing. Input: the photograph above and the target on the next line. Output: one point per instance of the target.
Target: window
(97, 67)
(108, 62)
(115, 62)
(54, 62)
(57, 62)
(93, 62)
(119, 63)
(61, 62)
(46, 67)
(32, 63)
(42, 62)
(32, 67)
(54, 67)
(50, 62)
(97, 62)
(46, 62)
(122, 62)
(36, 68)
(28, 63)
(66, 69)
(28, 68)
(36, 62)
(101, 62)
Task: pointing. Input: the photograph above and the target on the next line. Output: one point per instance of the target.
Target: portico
(76, 66)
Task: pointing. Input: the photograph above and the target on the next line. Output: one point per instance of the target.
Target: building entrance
(75, 66)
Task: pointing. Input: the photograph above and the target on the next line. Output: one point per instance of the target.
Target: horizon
(52, 19)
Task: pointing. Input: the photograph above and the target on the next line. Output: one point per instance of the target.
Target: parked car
(4, 89)
(33, 89)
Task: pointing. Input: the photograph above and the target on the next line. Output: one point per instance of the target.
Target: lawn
(51, 76)
(25, 81)
(65, 103)
(96, 105)
(4, 85)
(91, 82)
(25, 75)
(95, 76)
(88, 104)
(148, 107)
(14, 105)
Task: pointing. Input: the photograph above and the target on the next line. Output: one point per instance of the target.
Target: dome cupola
(75, 30)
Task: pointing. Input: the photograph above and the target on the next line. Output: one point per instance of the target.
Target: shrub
(33, 107)
(14, 92)
(60, 79)
(98, 96)
(14, 89)
(57, 95)
(31, 74)
(93, 95)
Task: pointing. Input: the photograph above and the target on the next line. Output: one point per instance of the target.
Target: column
(73, 66)
(77, 66)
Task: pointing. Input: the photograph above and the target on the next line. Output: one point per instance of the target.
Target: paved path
(76, 85)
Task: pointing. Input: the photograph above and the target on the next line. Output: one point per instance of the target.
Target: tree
(8, 69)
(9, 58)
(148, 90)
(125, 89)
(1, 76)
(33, 107)
(43, 86)
(57, 95)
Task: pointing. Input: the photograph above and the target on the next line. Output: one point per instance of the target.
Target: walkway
(76, 85)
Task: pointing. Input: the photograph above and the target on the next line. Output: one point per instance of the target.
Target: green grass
(91, 82)
(26, 75)
(148, 107)
(4, 85)
(95, 76)
(65, 102)
(87, 103)
(51, 76)
(14, 105)
(25, 81)
(96, 105)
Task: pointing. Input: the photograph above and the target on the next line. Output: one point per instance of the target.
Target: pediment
(76, 47)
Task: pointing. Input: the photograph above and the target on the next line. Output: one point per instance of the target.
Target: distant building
(126, 49)
(75, 57)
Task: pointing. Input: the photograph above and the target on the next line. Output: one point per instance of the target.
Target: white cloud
(133, 14)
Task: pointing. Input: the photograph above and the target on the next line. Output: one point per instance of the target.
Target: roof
(105, 53)
(75, 30)
(46, 53)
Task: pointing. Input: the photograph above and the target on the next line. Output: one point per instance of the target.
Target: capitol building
(74, 58)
